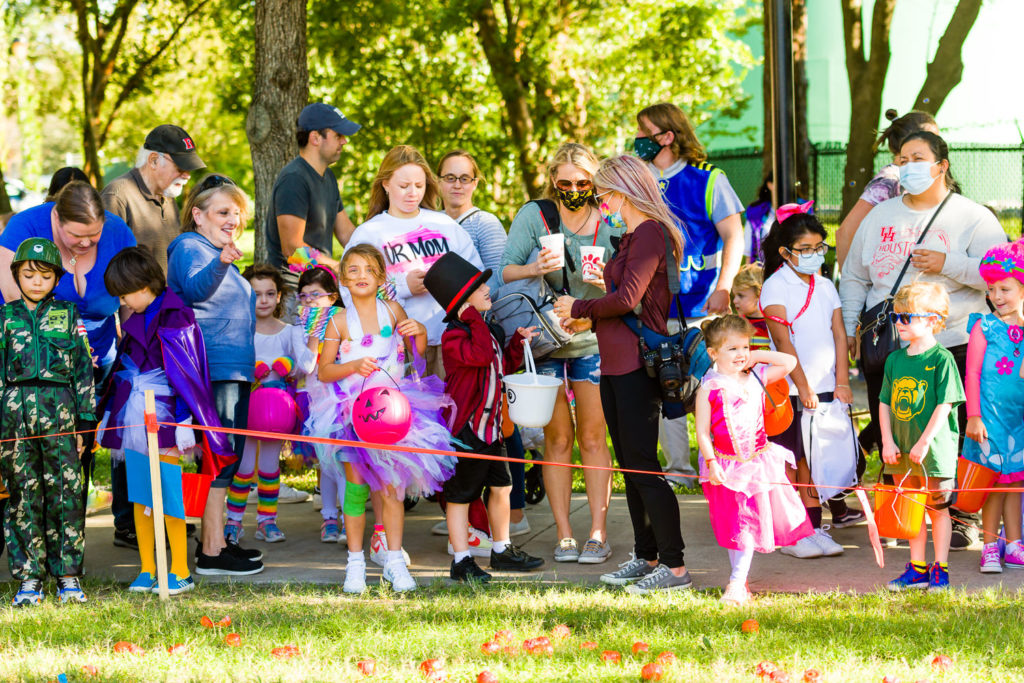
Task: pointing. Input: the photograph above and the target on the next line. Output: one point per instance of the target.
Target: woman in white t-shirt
(412, 237)
(805, 320)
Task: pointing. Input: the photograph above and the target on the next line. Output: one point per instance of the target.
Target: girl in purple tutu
(751, 503)
(366, 346)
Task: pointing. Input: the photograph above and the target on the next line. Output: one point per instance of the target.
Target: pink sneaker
(990, 559)
(1014, 557)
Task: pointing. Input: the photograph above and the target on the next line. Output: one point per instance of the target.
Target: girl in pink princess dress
(751, 503)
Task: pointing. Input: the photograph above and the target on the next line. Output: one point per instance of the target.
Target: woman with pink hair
(995, 400)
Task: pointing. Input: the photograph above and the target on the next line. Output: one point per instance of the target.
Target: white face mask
(916, 177)
(808, 264)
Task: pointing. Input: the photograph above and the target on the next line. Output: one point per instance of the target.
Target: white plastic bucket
(531, 397)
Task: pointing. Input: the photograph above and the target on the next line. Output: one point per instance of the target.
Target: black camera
(665, 363)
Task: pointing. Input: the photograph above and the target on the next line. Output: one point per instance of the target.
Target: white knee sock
(740, 561)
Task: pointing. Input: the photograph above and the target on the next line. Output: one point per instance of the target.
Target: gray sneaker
(629, 571)
(661, 579)
(595, 552)
(567, 550)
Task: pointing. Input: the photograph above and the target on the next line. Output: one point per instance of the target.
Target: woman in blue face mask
(960, 231)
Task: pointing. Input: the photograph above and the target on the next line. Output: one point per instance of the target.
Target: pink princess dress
(755, 507)
(330, 413)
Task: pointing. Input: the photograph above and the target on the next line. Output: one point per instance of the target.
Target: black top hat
(451, 281)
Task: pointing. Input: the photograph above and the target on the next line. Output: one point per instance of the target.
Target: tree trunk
(5, 201)
(507, 68)
(945, 71)
(280, 90)
(866, 76)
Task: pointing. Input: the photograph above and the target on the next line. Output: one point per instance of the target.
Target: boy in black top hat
(474, 362)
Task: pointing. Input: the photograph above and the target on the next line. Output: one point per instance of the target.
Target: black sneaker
(515, 560)
(963, 536)
(126, 538)
(235, 550)
(468, 570)
(226, 564)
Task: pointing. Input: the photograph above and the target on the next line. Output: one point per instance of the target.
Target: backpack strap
(550, 218)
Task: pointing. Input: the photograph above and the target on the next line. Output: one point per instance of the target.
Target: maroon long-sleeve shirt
(474, 364)
(637, 275)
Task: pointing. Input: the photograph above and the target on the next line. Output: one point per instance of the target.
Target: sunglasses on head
(906, 318)
(213, 180)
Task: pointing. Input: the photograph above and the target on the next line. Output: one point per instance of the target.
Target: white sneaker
(520, 528)
(736, 594)
(379, 549)
(829, 548)
(397, 574)
(440, 529)
(804, 549)
(355, 577)
(479, 544)
(289, 495)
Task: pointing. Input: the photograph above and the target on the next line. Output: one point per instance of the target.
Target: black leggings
(632, 409)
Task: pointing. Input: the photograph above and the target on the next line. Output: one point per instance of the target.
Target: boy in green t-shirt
(919, 428)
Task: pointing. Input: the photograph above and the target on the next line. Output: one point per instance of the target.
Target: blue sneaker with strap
(912, 577)
(176, 585)
(143, 583)
(938, 577)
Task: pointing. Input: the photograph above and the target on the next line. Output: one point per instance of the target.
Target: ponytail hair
(717, 330)
(785, 235)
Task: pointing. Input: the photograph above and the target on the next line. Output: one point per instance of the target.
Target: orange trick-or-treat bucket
(899, 512)
(778, 411)
(970, 477)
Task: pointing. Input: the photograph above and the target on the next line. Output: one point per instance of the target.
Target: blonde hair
(751, 276)
(576, 154)
(923, 297)
(371, 254)
(200, 197)
(666, 116)
(631, 178)
(717, 330)
(400, 156)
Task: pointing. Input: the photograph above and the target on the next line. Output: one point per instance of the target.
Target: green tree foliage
(511, 82)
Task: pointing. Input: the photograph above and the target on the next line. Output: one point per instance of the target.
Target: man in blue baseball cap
(305, 206)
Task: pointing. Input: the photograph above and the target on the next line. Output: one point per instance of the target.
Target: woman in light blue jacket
(201, 270)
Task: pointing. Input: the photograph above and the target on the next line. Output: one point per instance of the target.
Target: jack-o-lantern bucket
(381, 415)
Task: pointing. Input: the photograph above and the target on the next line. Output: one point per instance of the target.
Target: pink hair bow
(787, 210)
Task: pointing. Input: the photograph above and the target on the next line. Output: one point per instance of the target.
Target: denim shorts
(582, 369)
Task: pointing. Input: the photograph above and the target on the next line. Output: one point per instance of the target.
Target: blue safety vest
(690, 194)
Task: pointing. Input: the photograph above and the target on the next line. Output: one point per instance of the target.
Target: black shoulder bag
(877, 336)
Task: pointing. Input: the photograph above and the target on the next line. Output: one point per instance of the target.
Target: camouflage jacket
(47, 346)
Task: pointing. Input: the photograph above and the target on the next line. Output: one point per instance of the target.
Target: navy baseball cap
(318, 116)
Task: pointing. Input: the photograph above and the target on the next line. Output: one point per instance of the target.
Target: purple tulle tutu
(420, 474)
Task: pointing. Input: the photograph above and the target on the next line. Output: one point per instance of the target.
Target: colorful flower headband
(305, 258)
(1003, 261)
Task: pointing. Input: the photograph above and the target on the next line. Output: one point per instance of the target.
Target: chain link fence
(992, 175)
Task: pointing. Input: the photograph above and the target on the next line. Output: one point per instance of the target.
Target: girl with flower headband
(365, 346)
(995, 400)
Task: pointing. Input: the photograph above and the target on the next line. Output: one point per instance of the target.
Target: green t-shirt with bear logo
(913, 388)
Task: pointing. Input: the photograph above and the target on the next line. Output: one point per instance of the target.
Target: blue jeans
(231, 400)
(582, 369)
(514, 449)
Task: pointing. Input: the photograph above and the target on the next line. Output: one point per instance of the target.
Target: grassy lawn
(847, 638)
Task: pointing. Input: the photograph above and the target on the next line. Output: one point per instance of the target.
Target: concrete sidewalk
(303, 558)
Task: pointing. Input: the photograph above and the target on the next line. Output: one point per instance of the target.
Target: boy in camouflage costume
(46, 388)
